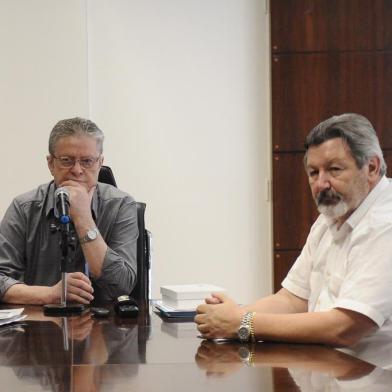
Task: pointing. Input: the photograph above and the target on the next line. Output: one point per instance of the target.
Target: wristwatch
(91, 235)
(245, 331)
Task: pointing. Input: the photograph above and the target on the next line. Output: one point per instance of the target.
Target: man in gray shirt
(104, 220)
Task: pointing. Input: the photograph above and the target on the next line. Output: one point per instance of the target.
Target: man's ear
(374, 168)
(50, 161)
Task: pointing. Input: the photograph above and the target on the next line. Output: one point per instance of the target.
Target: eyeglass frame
(80, 160)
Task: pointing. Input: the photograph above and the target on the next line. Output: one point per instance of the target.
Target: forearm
(118, 276)
(281, 302)
(29, 295)
(334, 327)
(93, 251)
(94, 254)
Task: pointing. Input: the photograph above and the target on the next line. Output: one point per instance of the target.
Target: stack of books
(182, 300)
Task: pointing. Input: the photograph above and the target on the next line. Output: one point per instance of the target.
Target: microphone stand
(67, 241)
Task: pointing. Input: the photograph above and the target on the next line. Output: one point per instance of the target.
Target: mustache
(328, 197)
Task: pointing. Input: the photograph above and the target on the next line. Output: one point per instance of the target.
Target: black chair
(143, 255)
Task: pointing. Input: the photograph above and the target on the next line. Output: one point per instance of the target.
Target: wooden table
(149, 354)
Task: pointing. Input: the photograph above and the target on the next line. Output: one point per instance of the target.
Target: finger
(202, 308)
(81, 280)
(212, 301)
(72, 297)
(79, 288)
(200, 318)
(81, 292)
(203, 329)
(80, 295)
(77, 292)
(220, 297)
(72, 183)
(79, 284)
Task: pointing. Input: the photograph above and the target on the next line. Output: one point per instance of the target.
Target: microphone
(61, 211)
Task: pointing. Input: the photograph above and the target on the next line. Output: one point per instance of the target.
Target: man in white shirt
(340, 288)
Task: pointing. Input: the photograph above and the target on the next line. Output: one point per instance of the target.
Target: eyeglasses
(68, 162)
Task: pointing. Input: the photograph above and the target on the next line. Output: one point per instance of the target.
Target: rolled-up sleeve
(12, 247)
(119, 272)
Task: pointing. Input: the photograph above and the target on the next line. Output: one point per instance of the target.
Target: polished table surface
(82, 353)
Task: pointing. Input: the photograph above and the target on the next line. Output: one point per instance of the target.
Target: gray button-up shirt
(30, 251)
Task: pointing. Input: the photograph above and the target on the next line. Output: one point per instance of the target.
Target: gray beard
(334, 212)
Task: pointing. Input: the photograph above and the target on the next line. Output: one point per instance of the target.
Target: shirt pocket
(334, 284)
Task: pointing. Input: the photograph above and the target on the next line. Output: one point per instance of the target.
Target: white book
(190, 291)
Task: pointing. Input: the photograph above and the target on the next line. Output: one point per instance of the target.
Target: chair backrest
(143, 257)
(106, 176)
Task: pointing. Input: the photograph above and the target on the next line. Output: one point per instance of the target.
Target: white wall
(43, 78)
(181, 89)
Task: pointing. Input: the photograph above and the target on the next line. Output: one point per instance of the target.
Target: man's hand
(79, 289)
(80, 200)
(220, 317)
(80, 211)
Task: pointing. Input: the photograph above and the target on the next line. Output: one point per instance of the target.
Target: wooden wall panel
(328, 57)
(308, 88)
(322, 25)
(388, 160)
(282, 263)
(293, 207)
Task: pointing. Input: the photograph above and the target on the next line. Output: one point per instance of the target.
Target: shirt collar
(369, 200)
(50, 200)
(359, 212)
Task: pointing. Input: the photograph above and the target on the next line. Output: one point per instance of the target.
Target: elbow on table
(345, 327)
(345, 339)
(349, 335)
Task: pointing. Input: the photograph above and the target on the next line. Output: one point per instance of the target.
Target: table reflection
(44, 350)
(311, 367)
(86, 354)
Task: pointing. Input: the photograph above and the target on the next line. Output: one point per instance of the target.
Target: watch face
(244, 333)
(92, 234)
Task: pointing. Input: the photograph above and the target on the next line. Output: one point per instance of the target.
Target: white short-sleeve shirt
(350, 268)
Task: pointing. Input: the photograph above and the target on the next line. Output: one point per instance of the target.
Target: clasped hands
(219, 317)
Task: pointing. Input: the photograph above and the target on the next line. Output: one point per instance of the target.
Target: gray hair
(356, 131)
(75, 127)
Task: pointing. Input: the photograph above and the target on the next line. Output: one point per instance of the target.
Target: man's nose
(77, 167)
(323, 181)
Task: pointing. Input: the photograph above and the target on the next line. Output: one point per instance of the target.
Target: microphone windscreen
(61, 195)
(61, 190)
